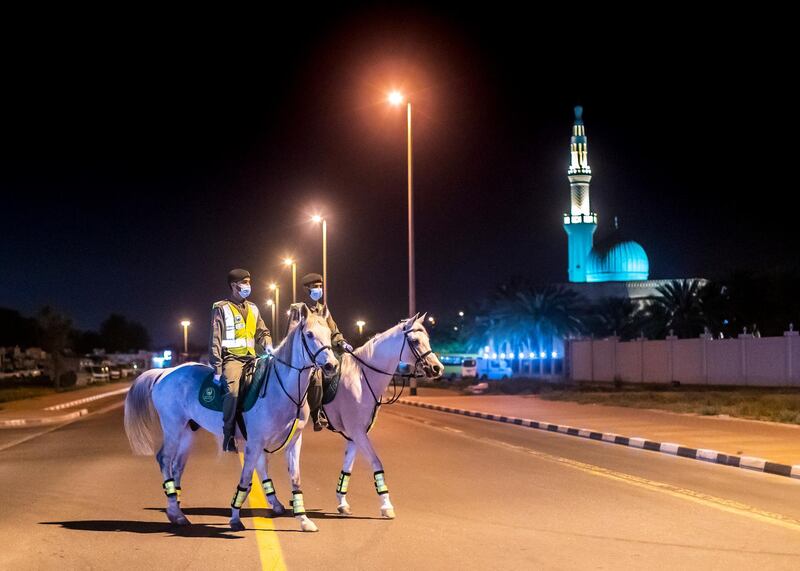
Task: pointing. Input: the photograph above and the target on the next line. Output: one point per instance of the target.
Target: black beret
(309, 279)
(237, 275)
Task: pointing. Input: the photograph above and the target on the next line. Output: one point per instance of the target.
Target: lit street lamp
(271, 305)
(360, 324)
(293, 263)
(396, 98)
(186, 323)
(277, 320)
(317, 218)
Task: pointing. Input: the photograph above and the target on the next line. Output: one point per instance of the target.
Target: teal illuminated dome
(617, 259)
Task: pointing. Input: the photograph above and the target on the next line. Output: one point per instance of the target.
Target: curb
(23, 422)
(703, 454)
(87, 399)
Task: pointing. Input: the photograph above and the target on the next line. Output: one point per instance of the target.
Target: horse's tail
(140, 414)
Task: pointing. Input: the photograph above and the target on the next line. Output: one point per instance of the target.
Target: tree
(677, 307)
(54, 331)
(17, 330)
(521, 314)
(621, 317)
(120, 335)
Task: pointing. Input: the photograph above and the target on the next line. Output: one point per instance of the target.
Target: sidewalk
(57, 407)
(774, 442)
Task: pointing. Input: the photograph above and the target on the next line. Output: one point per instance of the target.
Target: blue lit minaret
(581, 222)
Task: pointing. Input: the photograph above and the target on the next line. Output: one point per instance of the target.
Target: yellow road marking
(269, 549)
(701, 498)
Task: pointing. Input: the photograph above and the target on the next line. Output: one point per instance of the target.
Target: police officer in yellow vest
(238, 334)
(313, 285)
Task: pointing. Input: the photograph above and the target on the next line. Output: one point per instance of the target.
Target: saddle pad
(211, 393)
(329, 387)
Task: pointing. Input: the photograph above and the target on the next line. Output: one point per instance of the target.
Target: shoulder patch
(218, 304)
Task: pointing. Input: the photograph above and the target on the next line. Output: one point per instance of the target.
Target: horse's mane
(351, 367)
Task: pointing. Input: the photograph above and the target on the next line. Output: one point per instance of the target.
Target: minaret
(581, 222)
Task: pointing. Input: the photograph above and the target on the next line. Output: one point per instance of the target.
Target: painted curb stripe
(703, 454)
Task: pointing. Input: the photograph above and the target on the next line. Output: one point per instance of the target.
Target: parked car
(115, 372)
(99, 373)
(493, 369)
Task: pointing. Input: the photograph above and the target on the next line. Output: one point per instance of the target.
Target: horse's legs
(251, 454)
(344, 478)
(363, 443)
(179, 465)
(298, 505)
(166, 457)
(266, 484)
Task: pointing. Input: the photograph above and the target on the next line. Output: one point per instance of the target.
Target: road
(469, 494)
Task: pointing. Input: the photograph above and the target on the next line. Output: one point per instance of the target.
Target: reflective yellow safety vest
(239, 337)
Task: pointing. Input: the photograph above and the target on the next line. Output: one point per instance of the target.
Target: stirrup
(321, 422)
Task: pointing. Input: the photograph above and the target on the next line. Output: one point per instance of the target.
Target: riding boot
(315, 403)
(229, 423)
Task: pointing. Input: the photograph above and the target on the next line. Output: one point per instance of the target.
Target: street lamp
(277, 289)
(360, 324)
(317, 219)
(271, 305)
(186, 323)
(293, 263)
(396, 98)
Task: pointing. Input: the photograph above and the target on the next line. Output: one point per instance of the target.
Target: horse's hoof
(387, 513)
(237, 525)
(308, 526)
(278, 509)
(345, 510)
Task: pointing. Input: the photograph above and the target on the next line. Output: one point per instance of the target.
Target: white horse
(365, 376)
(276, 419)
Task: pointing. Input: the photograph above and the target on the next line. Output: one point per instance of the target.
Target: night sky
(145, 155)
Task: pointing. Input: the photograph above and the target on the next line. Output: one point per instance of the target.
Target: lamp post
(271, 305)
(277, 319)
(360, 324)
(396, 98)
(293, 263)
(186, 323)
(317, 218)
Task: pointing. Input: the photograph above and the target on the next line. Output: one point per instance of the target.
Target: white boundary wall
(747, 360)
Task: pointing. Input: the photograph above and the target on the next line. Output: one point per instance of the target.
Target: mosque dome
(617, 258)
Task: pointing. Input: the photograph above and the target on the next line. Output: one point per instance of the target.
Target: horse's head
(419, 344)
(316, 341)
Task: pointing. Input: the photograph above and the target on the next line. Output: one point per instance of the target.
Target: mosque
(614, 266)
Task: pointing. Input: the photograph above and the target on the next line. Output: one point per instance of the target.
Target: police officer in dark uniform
(313, 285)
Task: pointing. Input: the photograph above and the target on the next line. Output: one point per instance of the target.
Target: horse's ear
(304, 312)
(408, 323)
(422, 317)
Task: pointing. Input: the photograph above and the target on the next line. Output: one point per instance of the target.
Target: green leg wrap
(239, 497)
(380, 483)
(169, 488)
(269, 489)
(298, 506)
(344, 481)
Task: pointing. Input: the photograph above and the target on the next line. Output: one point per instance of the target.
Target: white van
(469, 368)
(493, 369)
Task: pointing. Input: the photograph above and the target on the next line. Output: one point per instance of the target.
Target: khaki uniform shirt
(216, 352)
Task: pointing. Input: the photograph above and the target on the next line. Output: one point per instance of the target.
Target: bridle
(420, 358)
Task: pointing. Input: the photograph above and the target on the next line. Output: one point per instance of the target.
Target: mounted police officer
(238, 334)
(313, 285)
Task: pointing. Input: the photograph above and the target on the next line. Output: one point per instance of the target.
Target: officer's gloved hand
(217, 378)
(269, 349)
(345, 346)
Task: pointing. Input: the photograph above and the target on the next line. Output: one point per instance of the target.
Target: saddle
(254, 376)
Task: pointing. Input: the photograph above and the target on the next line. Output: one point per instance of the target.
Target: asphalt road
(469, 494)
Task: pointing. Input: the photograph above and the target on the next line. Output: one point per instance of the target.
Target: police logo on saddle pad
(208, 394)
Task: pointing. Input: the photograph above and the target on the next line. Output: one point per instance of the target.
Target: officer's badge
(208, 394)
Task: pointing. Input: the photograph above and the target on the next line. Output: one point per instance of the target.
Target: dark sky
(144, 155)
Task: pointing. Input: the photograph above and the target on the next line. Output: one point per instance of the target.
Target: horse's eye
(310, 335)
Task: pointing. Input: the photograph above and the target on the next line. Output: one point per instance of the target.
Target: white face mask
(244, 290)
(316, 293)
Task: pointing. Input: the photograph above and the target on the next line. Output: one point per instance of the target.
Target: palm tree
(520, 314)
(615, 316)
(677, 308)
